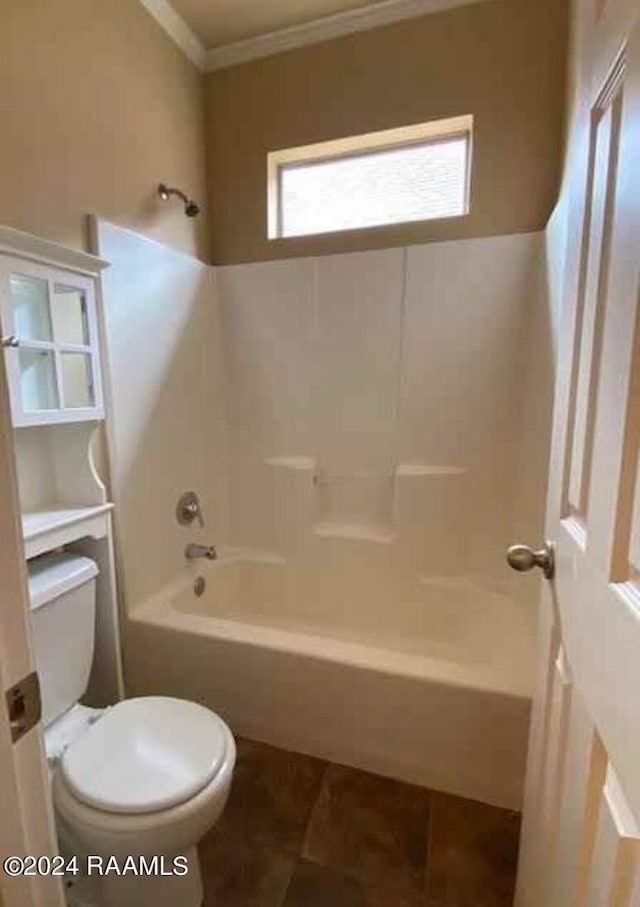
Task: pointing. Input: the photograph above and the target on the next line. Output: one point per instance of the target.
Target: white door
(581, 825)
(26, 821)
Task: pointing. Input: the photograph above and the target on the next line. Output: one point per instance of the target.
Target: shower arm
(191, 208)
(165, 192)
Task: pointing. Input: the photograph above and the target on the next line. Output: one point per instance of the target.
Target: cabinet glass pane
(76, 380)
(69, 315)
(30, 306)
(37, 380)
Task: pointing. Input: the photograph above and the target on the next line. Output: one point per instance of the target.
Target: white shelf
(58, 524)
(59, 417)
(420, 470)
(355, 532)
(295, 464)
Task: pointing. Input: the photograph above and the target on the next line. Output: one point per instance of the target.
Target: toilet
(144, 778)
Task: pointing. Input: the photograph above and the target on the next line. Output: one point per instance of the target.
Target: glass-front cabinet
(50, 340)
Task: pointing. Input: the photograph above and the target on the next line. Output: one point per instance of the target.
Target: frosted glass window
(404, 175)
(69, 315)
(30, 303)
(386, 187)
(76, 380)
(38, 380)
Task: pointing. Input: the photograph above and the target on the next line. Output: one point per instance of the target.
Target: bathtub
(430, 682)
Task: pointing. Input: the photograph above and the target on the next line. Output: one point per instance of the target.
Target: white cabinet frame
(14, 266)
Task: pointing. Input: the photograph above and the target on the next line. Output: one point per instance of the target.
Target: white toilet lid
(145, 755)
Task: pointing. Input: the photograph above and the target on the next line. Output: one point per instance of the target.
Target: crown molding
(336, 26)
(363, 18)
(178, 30)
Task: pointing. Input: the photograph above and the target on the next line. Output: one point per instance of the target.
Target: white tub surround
(167, 427)
(371, 430)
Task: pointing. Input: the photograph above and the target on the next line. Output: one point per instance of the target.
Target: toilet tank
(63, 610)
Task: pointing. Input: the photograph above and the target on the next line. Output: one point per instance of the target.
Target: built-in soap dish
(380, 535)
(293, 464)
(356, 506)
(423, 470)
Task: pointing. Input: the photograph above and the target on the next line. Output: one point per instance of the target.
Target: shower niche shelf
(355, 506)
(358, 505)
(424, 471)
(368, 507)
(355, 532)
(293, 464)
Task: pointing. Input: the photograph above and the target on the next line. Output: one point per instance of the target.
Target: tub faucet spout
(193, 552)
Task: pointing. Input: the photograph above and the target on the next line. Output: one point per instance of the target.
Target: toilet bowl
(135, 786)
(146, 780)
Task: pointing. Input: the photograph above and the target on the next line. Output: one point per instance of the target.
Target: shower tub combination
(416, 686)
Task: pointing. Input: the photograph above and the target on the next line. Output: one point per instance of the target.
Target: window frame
(355, 146)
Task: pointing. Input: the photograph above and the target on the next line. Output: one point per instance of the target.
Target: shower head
(191, 208)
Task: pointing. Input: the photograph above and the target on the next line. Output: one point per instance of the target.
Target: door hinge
(24, 705)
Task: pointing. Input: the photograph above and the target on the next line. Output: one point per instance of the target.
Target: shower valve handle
(188, 509)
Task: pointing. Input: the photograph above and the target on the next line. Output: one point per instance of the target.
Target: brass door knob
(523, 558)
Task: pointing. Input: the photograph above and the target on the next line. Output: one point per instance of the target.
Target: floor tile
(271, 798)
(370, 828)
(237, 875)
(319, 886)
(313, 885)
(473, 852)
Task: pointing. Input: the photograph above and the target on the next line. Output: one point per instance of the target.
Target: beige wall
(503, 61)
(97, 105)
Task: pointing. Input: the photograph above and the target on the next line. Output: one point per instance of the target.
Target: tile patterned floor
(300, 832)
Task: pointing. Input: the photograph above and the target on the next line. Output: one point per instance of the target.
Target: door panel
(585, 770)
(615, 849)
(552, 779)
(635, 897)
(596, 248)
(581, 831)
